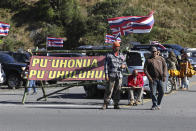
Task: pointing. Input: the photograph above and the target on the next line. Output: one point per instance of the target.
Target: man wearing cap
(156, 70)
(114, 65)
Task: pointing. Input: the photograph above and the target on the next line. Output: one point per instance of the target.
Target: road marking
(148, 100)
(75, 106)
(144, 101)
(51, 105)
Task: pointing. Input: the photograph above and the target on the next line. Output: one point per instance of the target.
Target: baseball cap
(153, 49)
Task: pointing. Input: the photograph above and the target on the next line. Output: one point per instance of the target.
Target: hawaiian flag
(121, 26)
(4, 29)
(110, 39)
(157, 43)
(54, 42)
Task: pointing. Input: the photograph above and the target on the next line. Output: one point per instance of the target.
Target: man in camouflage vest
(114, 65)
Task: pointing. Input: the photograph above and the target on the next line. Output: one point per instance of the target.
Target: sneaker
(184, 89)
(153, 108)
(34, 93)
(137, 102)
(131, 103)
(116, 107)
(158, 107)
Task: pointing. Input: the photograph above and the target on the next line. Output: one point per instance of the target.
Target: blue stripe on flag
(54, 42)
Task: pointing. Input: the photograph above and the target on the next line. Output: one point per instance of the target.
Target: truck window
(194, 54)
(133, 59)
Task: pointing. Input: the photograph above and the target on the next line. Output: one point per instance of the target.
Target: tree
(12, 4)
(44, 11)
(68, 13)
(97, 24)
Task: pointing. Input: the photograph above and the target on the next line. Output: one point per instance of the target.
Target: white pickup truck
(191, 52)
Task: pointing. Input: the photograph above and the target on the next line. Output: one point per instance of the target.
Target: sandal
(131, 103)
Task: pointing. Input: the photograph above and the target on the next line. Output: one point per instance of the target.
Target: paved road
(71, 111)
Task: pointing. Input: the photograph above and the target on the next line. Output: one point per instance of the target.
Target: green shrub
(12, 4)
(10, 44)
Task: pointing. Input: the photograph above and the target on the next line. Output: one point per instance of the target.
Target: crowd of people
(179, 69)
(156, 69)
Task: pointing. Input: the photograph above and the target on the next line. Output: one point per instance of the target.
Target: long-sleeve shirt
(172, 65)
(155, 68)
(135, 81)
(113, 65)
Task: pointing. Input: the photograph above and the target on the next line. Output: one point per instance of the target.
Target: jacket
(113, 64)
(155, 68)
(139, 81)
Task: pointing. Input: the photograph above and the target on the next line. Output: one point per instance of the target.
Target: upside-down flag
(121, 26)
(54, 42)
(110, 39)
(4, 29)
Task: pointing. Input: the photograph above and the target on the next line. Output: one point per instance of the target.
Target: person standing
(114, 65)
(178, 68)
(172, 63)
(155, 69)
(32, 83)
(185, 71)
(135, 81)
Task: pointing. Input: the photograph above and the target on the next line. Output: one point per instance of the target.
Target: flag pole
(47, 44)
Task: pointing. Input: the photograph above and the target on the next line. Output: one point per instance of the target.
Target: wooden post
(25, 92)
(43, 90)
(67, 87)
(55, 92)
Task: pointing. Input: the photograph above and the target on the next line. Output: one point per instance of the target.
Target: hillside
(83, 22)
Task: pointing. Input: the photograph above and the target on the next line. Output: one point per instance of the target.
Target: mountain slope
(174, 21)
